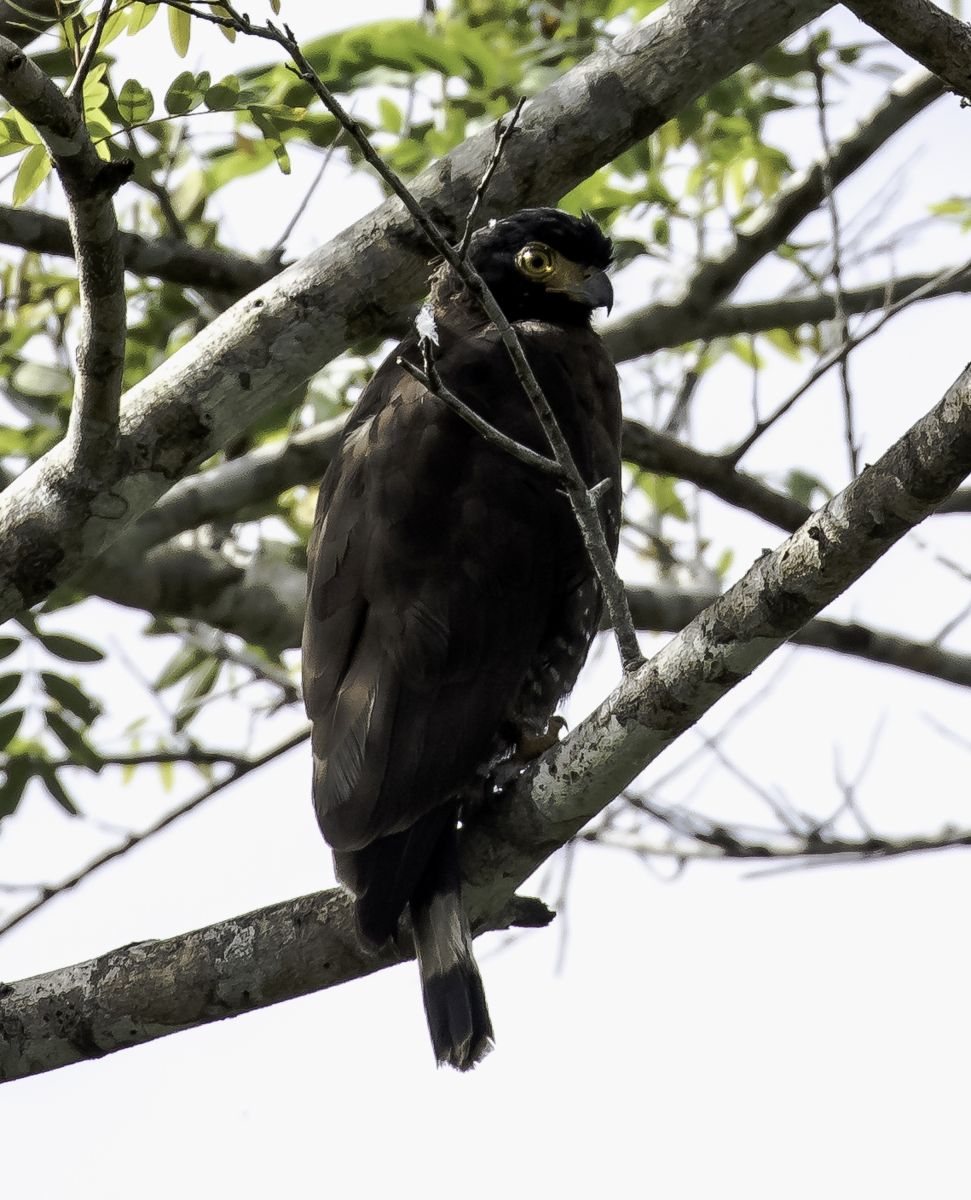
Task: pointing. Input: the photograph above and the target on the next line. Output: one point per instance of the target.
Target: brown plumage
(450, 600)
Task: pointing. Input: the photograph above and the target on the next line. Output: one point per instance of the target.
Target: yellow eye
(535, 260)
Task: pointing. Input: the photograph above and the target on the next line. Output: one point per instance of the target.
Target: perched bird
(450, 601)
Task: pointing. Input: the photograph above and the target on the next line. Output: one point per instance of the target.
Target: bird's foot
(530, 746)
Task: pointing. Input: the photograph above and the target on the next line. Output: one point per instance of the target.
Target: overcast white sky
(797, 1036)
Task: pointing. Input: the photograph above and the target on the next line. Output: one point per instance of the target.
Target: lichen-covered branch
(57, 516)
(145, 991)
(89, 184)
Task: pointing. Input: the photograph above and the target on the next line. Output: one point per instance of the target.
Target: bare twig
(244, 767)
(430, 379)
(733, 457)
(842, 327)
(503, 132)
(76, 87)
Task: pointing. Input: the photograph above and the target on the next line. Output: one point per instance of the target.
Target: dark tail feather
(455, 1003)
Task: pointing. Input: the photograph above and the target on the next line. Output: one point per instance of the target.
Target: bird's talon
(529, 746)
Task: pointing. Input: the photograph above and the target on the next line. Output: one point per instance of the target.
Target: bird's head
(544, 264)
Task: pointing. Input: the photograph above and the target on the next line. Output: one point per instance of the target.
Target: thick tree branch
(89, 184)
(624, 336)
(145, 991)
(926, 32)
(161, 258)
(647, 329)
(671, 611)
(56, 516)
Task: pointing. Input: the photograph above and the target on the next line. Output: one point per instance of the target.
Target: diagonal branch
(927, 33)
(55, 515)
(75, 90)
(89, 184)
(151, 989)
(647, 329)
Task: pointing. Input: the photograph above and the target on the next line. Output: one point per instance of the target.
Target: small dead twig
(430, 379)
(503, 133)
(76, 86)
(733, 457)
(842, 324)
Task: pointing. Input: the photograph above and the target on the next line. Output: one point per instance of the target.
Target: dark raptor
(451, 603)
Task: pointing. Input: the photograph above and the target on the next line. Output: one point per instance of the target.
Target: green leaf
(80, 751)
(9, 724)
(166, 772)
(69, 648)
(184, 661)
(180, 30)
(8, 645)
(725, 560)
(49, 775)
(33, 170)
(16, 776)
(185, 92)
(69, 696)
(135, 102)
(785, 342)
(200, 684)
(12, 141)
(8, 685)
(39, 379)
(661, 490)
(265, 122)
(115, 26)
(224, 95)
(141, 15)
(802, 486)
(390, 114)
(95, 89)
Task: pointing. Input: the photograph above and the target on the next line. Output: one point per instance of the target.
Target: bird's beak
(596, 290)
(586, 286)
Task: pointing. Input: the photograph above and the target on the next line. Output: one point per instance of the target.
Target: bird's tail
(455, 1003)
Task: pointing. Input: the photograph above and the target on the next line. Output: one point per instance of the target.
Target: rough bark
(922, 29)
